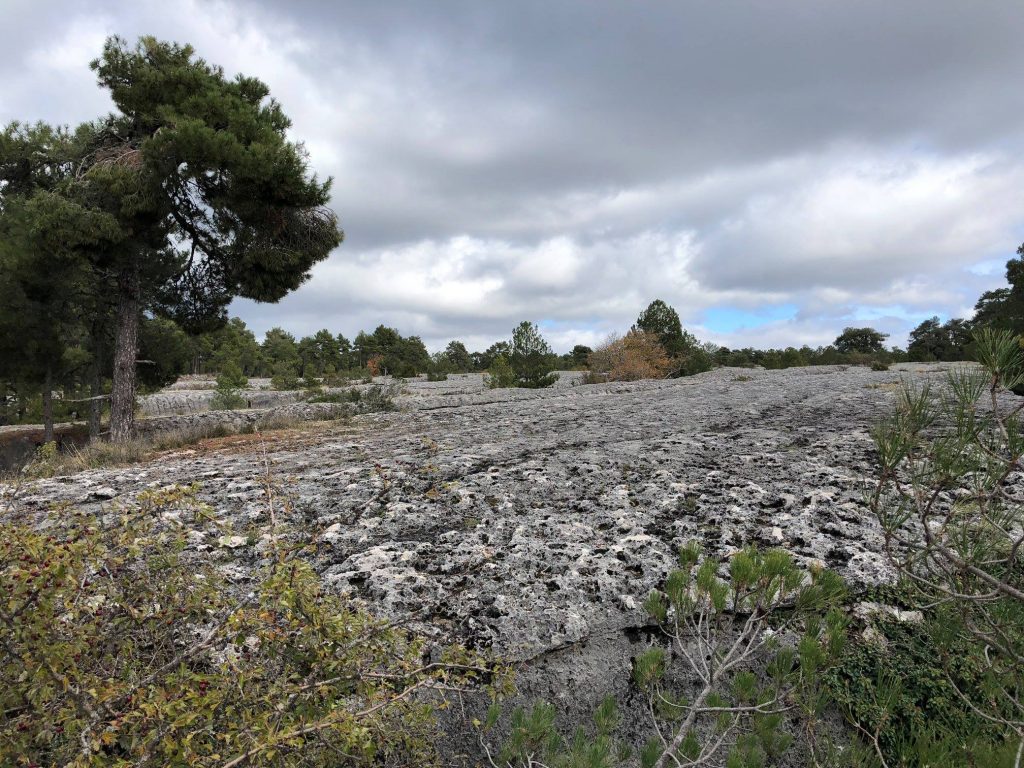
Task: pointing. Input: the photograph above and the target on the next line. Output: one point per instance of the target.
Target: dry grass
(48, 462)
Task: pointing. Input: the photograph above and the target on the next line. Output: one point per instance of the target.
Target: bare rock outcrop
(535, 522)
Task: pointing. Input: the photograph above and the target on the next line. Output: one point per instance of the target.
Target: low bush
(947, 500)
(534, 740)
(902, 687)
(119, 650)
(285, 378)
(227, 394)
(501, 375)
(637, 355)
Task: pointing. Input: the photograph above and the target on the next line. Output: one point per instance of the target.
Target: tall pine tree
(215, 201)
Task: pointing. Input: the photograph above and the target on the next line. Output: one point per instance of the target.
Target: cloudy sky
(774, 170)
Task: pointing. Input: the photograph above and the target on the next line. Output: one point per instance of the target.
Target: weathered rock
(535, 522)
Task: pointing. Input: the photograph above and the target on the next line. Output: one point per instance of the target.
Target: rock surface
(527, 520)
(535, 522)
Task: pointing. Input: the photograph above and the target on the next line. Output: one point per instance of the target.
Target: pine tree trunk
(48, 407)
(126, 347)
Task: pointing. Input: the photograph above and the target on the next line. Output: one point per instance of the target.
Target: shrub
(531, 357)
(878, 365)
(953, 525)
(534, 740)
(344, 396)
(231, 376)
(227, 395)
(637, 355)
(500, 375)
(749, 669)
(117, 650)
(903, 697)
(285, 377)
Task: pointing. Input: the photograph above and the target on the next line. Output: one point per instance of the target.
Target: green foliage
(531, 357)
(396, 355)
(865, 340)
(534, 739)
(663, 321)
(165, 351)
(458, 358)
(373, 399)
(230, 382)
(900, 686)
(1003, 308)
(119, 649)
(322, 352)
(952, 529)
(932, 340)
(231, 375)
(501, 375)
(773, 600)
(286, 377)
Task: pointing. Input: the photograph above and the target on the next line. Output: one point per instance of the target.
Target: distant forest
(656, 346)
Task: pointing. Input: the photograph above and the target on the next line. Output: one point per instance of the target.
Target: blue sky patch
(731, 319)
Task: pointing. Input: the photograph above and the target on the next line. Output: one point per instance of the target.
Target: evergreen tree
(1003, 308)
(933, 340)
(531, 357)
(866, 340)
(279, 352)
(198, 169)
(45, 277)
(458, 357)
(663, 321)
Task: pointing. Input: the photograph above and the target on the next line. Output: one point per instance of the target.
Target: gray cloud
(568, 162)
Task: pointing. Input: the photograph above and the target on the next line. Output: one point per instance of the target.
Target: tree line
(656, 346)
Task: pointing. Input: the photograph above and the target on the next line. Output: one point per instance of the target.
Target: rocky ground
(535, 522)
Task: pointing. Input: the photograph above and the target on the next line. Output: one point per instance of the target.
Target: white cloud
(494, 168)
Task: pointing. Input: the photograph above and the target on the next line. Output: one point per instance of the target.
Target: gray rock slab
(527, 520)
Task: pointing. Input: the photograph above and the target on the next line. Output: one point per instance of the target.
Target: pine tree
(45, 275)
(531, 357)
(219, 203)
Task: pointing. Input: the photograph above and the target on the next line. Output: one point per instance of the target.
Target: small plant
(637, 355)
(344, 396)
(754, 643)
(227, 395)
(878, 365)
(379, 398)
(500, 375)
(534, 740)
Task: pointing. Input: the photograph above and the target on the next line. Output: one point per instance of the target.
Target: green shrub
(900, 684)
(952, 521)
(227, 398)
(285, 377)
(877, 365)
(231, 376)
(534, 740)
(769, 615)
(500, 375)
(344, 396)
(227, 394)
(118, 650)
